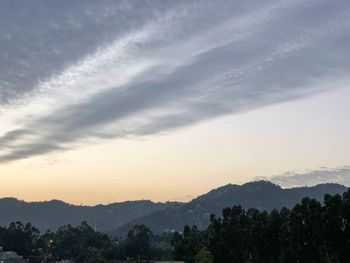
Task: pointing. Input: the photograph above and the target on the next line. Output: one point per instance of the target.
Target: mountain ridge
(262, 195)
(55, 213)
(117, 218)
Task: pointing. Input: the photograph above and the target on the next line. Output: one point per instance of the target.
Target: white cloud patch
(118, 72)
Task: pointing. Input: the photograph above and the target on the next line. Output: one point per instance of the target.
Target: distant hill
(118, 218)
(55, 213)
(261, 195)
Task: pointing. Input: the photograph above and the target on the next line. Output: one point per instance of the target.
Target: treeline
(309, 232)
(83, 244)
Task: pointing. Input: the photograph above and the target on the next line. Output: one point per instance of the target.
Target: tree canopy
(310, 232)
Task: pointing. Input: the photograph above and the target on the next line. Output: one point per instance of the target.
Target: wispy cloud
(339, 175)
(175, 64)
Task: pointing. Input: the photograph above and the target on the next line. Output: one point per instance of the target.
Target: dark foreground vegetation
(309, 232)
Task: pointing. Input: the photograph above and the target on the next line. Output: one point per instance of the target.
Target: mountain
(55, 213)
(118, 218)
(261, 195)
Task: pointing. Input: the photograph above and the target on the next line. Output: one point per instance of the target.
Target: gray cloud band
(197, 67)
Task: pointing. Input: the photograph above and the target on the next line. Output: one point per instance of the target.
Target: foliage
(19, 237)
(309, 232)
(137, 243)
(188, 244)
(203, 256)
(83, 244)
(79, 243)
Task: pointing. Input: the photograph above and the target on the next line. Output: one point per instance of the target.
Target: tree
(204, 256)
(230, 236)
(187, 245)
(79, 243)
(178, 246)
(20, 238)
(138, 242)
(306, 223)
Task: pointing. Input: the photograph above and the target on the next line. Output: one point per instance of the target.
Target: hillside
(118, 218)
(55, 213)
(261, 195)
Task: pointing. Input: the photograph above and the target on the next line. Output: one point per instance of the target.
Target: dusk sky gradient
(104, 101)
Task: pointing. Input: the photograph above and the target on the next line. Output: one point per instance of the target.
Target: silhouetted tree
(20, 238)
(138, 242)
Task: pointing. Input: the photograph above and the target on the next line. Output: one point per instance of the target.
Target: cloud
(173, 65)
(323, 175)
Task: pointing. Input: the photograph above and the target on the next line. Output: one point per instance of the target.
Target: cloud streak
(323, 175)
(173, 65)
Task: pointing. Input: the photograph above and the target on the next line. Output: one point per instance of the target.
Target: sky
(118, 100)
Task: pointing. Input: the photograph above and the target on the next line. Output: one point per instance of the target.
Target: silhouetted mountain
(55, 213)
(261, 195)
(118, 218)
